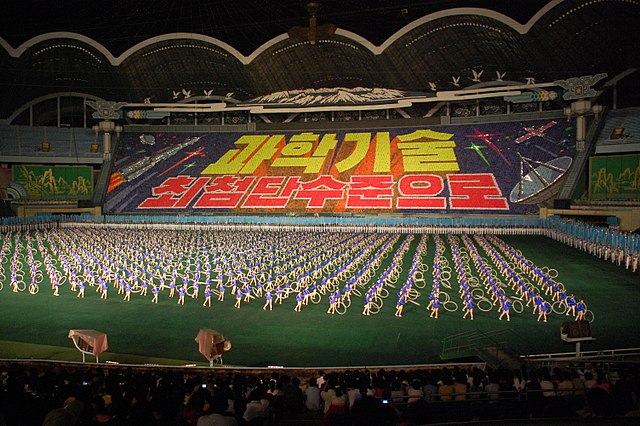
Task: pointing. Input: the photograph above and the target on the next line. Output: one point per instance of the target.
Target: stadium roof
(167, 50)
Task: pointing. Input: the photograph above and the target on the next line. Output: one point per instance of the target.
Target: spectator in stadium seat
(313, 402)
(565, 385)
(379, 385)
(67, 415)
(220, 415)
(292, 394)
(602, 383)
(535, 399)
(589, 381)
(335, 400)
(476, 387)
(397, 394)
(460, 387)
(196, 406)
(256, 409)
(624, 395)
(518, 383)
(578, 383)
(599, 403)
(430, 387)
(414, 393)
(548, 390)
(446, 389)
(492, 388)
(353, 388)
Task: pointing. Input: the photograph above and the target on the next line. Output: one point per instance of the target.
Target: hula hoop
(553, 273)
(374, 309)
(445, 284)
(341, 308)
(450, 306)
(356, 292)
(558, 307)
(315, 298)
(589, 315)
(477, 292)
(34, 288)
(420, 283)
(412, 293)
(384, 293)
(423, 267)
(484, 304)
(517, 306)
(445, 275)
(20, 285)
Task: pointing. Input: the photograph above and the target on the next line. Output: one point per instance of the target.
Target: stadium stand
(473, 168)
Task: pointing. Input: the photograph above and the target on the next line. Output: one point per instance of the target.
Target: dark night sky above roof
(243, 24)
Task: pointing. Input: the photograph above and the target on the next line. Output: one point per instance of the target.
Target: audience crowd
(67, 394)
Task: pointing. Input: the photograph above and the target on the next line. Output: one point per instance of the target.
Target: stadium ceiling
(174, 51)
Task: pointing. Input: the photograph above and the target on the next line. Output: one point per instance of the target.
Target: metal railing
(601, 354)
(581, 158)
(468, 343)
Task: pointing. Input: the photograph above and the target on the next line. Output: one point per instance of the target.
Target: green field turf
(36, 326)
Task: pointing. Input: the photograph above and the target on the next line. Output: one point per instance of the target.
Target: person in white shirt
(313, 401)
(255, 407)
